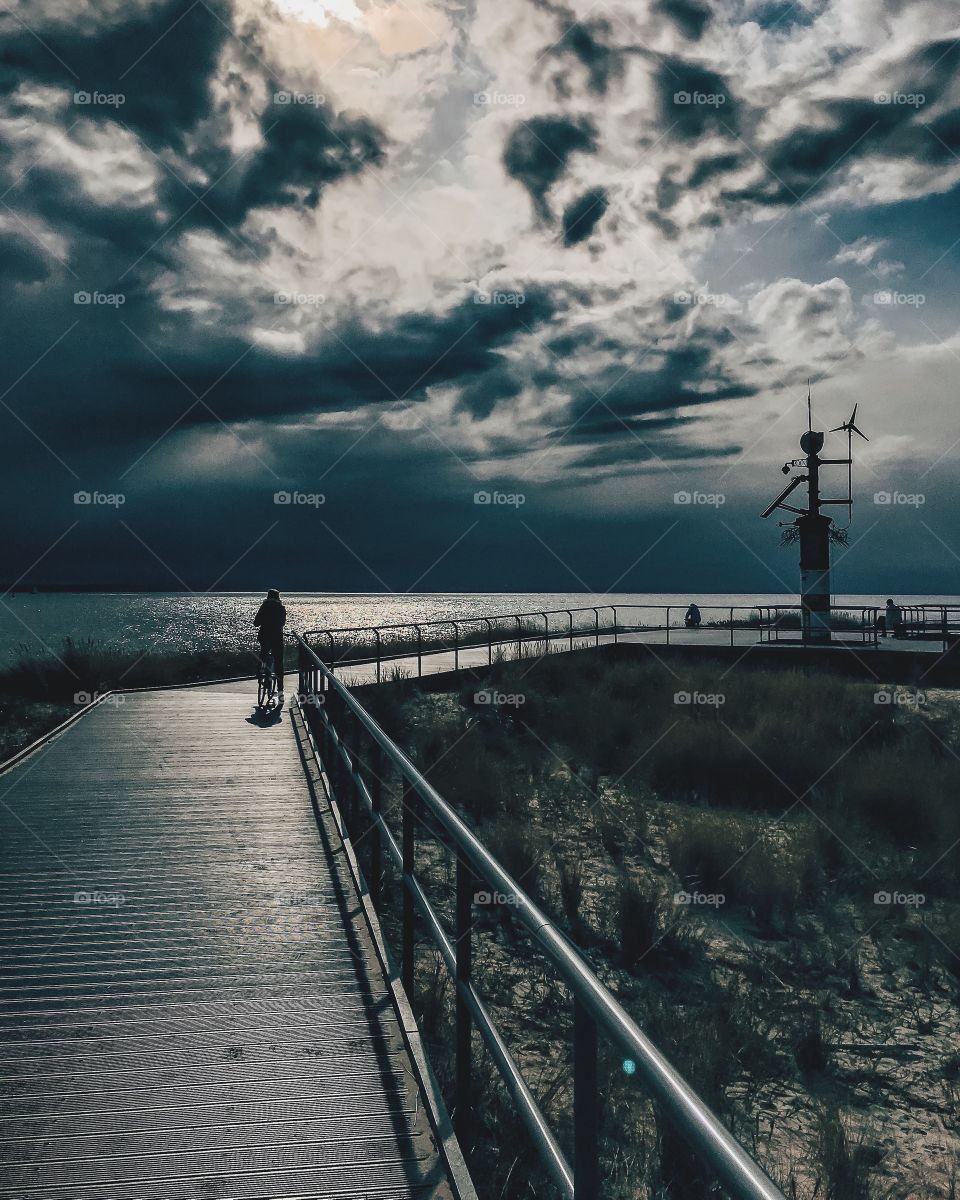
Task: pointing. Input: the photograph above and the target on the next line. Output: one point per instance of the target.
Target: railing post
(419, 651)
(668, 624)
(616, 637)
(519, 638)
(586, 1122)
(333, 747)
(489, 642)
(596, 626)
(407, 959)
(570, 623)
(456, 645)
(348, 803)
(731, 626)
(375, 779)
(464, 947)
(376, 634)
(546, 633)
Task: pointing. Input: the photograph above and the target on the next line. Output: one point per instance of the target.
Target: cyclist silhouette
(270, 620)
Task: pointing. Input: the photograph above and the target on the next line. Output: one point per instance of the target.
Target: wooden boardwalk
(189, 1004)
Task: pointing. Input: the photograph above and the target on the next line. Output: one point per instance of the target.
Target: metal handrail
(766, 619)
(329, 708)
(770, 623)
(517, 637)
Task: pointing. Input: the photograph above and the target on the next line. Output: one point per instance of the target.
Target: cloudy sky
(290, 287)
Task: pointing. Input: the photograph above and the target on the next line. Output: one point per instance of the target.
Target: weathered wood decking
(186, 1007)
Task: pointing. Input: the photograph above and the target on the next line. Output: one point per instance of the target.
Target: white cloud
(861, 252)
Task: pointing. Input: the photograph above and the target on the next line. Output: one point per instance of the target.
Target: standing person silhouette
(270, 620)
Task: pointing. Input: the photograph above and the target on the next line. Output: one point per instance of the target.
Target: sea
(34, 623)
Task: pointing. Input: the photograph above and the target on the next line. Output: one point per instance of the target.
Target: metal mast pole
(814, 550)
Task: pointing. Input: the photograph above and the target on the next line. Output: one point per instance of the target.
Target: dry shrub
(773, 872)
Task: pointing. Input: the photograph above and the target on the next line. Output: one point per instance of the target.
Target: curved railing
(357, 756)
(746, 624)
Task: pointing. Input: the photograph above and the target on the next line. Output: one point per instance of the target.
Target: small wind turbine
(850, 428)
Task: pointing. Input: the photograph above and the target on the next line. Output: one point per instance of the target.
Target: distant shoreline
(56, 589)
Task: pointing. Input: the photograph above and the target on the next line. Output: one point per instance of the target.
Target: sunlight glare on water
(164, 621)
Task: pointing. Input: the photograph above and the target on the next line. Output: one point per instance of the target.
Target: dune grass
(714, 841)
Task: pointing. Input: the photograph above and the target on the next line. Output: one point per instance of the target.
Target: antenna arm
(778, 503)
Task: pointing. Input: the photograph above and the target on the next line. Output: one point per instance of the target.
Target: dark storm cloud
(160, 60)
(694, 100)
(638, 444)
(155, 382)
(783, 15)
(590, 43)
(690, 17)
(582, 215)
(624, 403)
(162, 63)
(482, 393)
(21, 260)
(305, 148)
(801, 163)
(538, 151)
(716, 164)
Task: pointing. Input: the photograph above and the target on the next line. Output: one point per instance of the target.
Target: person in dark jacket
(270, 620)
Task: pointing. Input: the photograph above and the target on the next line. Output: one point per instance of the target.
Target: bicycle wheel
(266, 683)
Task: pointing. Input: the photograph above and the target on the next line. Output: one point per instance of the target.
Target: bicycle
(267, 683)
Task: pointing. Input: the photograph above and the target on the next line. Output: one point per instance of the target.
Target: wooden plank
(183, 1009)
